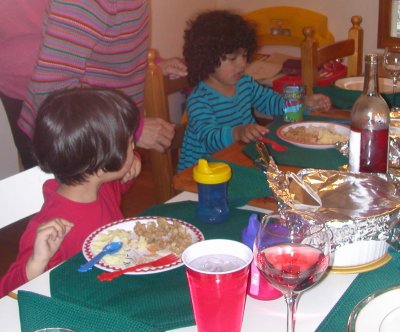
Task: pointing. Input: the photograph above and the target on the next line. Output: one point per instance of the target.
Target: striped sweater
(98, 43)
(212, 117)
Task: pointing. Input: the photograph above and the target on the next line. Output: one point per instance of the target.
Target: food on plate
(146, 242)
(314, 135)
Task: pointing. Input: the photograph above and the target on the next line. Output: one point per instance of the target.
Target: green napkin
(161, 300)
(330, 159)
(246, 184)
(344, 99)
(38, 311)
(365, 284)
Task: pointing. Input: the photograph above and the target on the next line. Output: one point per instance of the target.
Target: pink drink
(217, 281)
(294, 267)
(373, 157)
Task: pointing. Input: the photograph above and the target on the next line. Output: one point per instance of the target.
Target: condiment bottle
(212, 182)
(258, 287)
(369, 136)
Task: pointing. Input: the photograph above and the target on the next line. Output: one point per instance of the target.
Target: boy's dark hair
(80, 131)
(211, 36)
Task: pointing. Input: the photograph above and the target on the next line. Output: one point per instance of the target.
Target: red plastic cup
(218, 297)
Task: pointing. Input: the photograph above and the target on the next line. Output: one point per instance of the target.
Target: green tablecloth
(365, 284)
(345, 99)
(246, 184)
(330, 159)
(154, 302)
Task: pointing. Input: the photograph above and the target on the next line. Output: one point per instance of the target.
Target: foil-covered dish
(355, 206)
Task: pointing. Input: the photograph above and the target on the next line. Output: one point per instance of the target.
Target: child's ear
(100, 173)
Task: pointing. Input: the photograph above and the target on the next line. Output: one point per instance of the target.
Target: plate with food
(314, 134)
(379, 311)
(144, 239)
(357, 84)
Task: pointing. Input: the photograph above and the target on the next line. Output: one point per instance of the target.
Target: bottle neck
(371, 87)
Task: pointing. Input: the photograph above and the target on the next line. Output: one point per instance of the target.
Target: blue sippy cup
(212, 182)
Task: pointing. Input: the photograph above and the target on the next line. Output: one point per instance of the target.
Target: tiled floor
(138, 198)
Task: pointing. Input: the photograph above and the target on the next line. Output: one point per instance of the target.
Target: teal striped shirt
(212, 117)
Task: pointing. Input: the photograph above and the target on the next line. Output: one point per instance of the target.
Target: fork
(168, 259)
(274, 145)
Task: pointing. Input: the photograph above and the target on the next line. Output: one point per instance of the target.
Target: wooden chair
(312, 56)
(157, 89)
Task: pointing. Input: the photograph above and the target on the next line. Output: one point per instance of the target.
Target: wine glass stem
(291, 302)
(394, 91)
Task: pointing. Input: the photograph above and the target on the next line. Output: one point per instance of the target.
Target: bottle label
(354, 151)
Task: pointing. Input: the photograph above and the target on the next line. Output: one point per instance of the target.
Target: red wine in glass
(292, 266)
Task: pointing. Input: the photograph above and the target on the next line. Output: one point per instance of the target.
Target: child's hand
(318, 102)
(135, 169)
(49, 237)
(248, 133)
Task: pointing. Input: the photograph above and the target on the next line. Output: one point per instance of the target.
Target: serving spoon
(109, 248)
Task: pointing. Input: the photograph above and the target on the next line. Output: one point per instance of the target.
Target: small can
(294, 102)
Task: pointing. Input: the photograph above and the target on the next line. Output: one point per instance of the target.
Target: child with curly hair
(85, 138)
(217, 47)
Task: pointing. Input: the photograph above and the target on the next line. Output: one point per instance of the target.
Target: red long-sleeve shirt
(86, 217)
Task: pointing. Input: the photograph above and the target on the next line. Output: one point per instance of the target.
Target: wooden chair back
(312, 56)
(21, 195)
(157, 89)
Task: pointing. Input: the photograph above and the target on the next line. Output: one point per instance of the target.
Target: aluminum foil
(355, 206)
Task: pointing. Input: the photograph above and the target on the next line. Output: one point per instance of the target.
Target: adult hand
(157, 134)
(173, 68)
(49, 237)
(248, 133)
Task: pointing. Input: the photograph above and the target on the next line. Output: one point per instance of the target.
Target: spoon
(274, 145)
(110, 248)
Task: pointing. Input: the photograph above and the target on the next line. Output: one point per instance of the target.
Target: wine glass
(292, 251)
(391, 62)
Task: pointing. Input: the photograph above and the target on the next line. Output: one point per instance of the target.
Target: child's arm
(49, 237)
(135, 169)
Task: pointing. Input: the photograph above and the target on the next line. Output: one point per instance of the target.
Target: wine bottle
(369, 135)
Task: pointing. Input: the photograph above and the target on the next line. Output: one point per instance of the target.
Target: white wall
(169, 21)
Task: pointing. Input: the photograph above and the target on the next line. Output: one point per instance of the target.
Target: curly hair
(211, 36)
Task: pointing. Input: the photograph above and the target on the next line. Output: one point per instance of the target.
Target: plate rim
(86, 244)
(352, 320)
(310, 145)
(361, 78)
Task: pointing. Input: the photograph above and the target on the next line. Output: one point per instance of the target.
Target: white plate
(357, 84)
(340, 129)
(379, 311)
(128, 225)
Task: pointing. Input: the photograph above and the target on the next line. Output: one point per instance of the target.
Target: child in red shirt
(85, 138)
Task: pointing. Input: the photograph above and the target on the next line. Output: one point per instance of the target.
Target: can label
(294, 102)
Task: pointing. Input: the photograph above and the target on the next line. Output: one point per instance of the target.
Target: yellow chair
(157, 89)
(284, 25)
